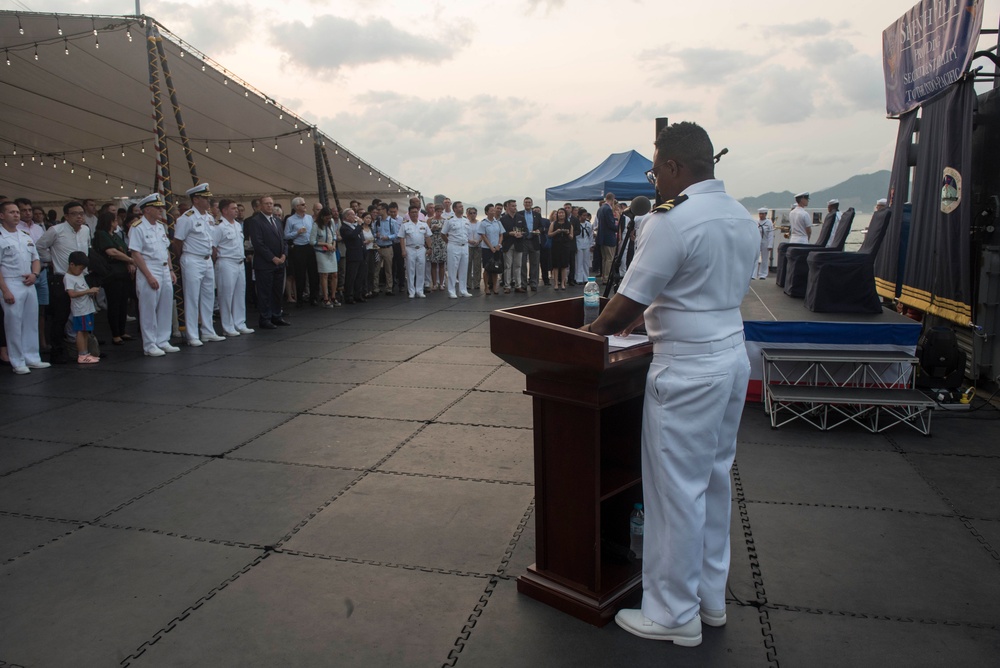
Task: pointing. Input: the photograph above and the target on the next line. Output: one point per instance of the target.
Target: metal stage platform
(357, 490)
(772, 319)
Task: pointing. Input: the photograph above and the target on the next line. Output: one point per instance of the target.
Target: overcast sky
(485, 98)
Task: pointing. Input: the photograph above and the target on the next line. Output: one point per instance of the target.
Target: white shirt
(228, 238)
(800, 223)
(79, 305)
(833, 230)
(195, 230)
(414, 234)
(458, 230)
(150, 239)
(61, 240)
(17, 252)
(691, 266)
(766, 228)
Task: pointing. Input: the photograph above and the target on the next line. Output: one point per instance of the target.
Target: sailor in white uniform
(230, 275)
(766, 228)
(799, 221)
(154, 281)
(690, 272)
(456, 232)
(193, 242)
(19, 269)
(416, 237)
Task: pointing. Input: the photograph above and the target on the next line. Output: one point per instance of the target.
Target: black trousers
(58, 313)
(354, 279)
(398, 267)
(117, 288)
(270, 287)
(304, 265)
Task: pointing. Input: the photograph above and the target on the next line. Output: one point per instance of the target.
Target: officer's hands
(8, 296)
(153, 283)
(29, 279)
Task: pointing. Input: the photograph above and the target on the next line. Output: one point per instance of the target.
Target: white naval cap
(762, 210)
(801, 195)
(201, 190)
(152, 200)
(882, 201)
(833, 201)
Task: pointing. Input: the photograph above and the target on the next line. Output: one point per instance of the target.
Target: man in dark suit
(265, 233)
(514, 231)
(532, 245)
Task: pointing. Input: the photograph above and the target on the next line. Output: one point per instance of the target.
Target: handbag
(495, 265)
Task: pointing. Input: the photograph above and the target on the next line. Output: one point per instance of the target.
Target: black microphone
(640, 206)
(718, 156)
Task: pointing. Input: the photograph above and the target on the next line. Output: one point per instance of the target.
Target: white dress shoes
(154, 352)
(685, 635)
(713, 617)
(172, 349)
(231, 334)
(39, 365)
(212, 337)
(245, 330)
(21, 370)
(194, 343)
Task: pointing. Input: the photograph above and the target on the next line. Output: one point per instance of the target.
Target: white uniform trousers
(155, 307)
(581, 272)
(416, 261)
(20, 323)
(691, 413)
(231, 283)
(764, 261)
(198, 279)
(458, 268)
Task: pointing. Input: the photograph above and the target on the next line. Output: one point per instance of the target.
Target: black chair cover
(845, 282)
(796, 269)
(824, 236)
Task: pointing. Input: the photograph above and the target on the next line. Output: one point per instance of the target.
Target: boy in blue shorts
(82, 307)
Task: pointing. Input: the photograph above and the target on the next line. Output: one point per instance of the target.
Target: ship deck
(356, 490)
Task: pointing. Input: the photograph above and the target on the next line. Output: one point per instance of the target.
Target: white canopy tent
(77, 119)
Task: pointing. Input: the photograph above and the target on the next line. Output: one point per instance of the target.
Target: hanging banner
(928, 49)
(938, 276)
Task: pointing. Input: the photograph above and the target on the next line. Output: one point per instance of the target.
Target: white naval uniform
(766, 229)
(150, 240)
(197, 272)
(230, 276)
(414, 237)
(458, 231)
(691, 266)
(20, 319)
(584, 242)
(800, 224)
(833, 230)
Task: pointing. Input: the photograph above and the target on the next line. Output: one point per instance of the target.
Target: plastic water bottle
(635, 522)
(591, 301)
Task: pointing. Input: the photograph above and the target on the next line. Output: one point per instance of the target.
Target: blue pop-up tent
(623, 174)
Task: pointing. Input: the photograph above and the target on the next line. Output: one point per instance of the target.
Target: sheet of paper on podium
(620, 342)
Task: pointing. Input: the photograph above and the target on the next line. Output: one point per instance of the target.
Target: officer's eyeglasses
(651, 177)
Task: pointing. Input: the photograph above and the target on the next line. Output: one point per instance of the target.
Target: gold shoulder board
(670, 203)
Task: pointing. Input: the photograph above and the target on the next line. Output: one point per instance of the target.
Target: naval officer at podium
(694, 256)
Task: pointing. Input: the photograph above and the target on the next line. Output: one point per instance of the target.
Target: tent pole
(181, 128)
(162, 159)
(329, 173)
(320, 176)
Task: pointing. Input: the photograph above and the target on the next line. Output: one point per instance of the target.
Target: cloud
(824, 52)
(547, 5)
(647, 111)
(774, 95)
(808, 28)
(695, 66)
(210, 27)
(330, 43)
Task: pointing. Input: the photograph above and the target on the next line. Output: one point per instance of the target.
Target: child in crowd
(82, 307)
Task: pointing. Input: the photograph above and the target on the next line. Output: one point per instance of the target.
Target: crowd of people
(58, 273)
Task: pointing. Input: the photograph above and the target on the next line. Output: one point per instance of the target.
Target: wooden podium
(587, 406)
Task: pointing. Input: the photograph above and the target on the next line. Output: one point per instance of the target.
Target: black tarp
(937, 278)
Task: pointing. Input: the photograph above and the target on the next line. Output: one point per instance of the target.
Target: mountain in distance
(860, 191)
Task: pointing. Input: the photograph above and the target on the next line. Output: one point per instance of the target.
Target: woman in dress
(561, 233)
(116, 284)
(439, 248)
(323, 239)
